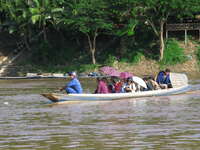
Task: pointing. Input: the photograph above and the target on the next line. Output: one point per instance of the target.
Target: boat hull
(56, 97)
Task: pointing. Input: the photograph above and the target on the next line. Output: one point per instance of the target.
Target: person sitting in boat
(151, 84)
(74, 86)
(129, 86)
(137, 87)
(102, 86)
(163, 79)
(123, 83)
(115, 86)
(111, 85)
(118, 85)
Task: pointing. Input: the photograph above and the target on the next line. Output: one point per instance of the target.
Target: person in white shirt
(129, 86)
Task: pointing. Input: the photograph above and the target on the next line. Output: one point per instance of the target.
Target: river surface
(29, 122)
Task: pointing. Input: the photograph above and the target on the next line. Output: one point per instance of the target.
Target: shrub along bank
(63, 35)
(177, 57)
(93, 29)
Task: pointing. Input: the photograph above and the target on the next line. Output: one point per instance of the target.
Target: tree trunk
(93, 56)
(27, 43)
(26, 39)
(92, 46)
(162, 44)
(123, 49)
(44, 33)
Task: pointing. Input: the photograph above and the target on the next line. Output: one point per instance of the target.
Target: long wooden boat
(179, 82)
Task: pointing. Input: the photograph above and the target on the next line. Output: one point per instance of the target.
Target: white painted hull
(56, 97)
(179, 82)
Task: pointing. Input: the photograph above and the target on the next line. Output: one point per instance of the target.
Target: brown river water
(29, 122)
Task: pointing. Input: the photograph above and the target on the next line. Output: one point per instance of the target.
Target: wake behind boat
(179, 82)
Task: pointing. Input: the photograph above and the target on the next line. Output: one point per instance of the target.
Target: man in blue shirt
(74, 86)
(163, 79)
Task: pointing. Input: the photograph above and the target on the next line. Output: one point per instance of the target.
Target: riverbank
(144, 66)
(148, 66)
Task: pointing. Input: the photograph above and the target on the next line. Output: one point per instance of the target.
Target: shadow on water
(29, 121)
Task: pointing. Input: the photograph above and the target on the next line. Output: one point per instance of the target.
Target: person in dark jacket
(74, 86)
(163, 79)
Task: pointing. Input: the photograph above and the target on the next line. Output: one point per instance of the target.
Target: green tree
(15, 13)
(25, 13)
(156, 12)
(124, 16)
(89, 17)
(96, 17)
(44, 13)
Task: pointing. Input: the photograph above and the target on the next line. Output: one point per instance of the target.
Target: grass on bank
(198, 53)
(173, 53)
(80, 62)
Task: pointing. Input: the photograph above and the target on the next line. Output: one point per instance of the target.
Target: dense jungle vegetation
(88, 33)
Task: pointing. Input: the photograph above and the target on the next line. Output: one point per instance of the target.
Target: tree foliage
(94, 18)
(157, 12)
(89, 17)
